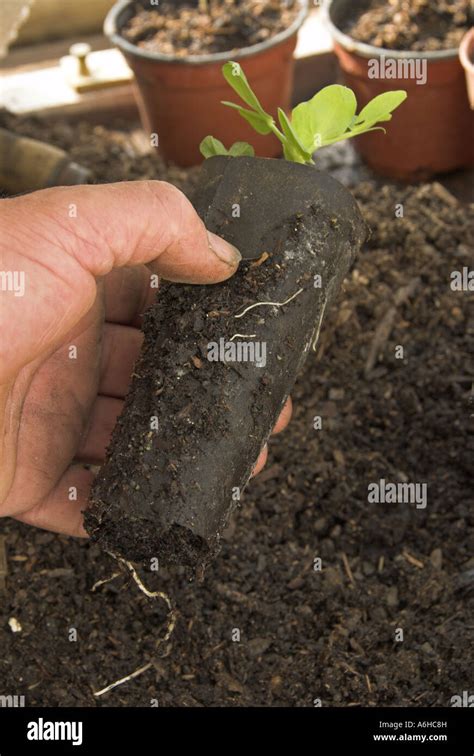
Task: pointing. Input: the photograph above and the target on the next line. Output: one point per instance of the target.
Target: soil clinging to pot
(418, 25)
(215, 26)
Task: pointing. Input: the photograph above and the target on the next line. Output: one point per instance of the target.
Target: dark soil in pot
(303, 634)
(189, 28)
(421, 25)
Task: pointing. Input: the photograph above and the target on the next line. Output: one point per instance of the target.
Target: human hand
(85, 255)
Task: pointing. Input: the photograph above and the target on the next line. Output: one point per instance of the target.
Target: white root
(123, 680)
(150, 594)
(269, 304)
(106, 580)
(143, 588)
(243, 336)
(318, 329)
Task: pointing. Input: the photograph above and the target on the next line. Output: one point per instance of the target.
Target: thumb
(62, 239)
(130, 223)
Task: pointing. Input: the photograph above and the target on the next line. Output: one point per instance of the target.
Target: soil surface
(212, 26)
(113, 154)
(423, 25)
(304, 634)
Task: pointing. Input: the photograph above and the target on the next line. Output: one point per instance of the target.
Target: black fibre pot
(193, 426)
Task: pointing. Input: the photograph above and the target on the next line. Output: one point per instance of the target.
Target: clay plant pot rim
(111, 30)
(371, 51)
(466, 50)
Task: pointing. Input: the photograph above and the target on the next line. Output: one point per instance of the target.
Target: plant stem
(284, 140)
(279, 135)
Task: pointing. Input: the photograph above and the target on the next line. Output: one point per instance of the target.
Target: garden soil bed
(422, 25)
(183, 29)
(303, 634)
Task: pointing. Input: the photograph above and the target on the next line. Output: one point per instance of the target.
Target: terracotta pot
(466, 56)
(180, 98)
(432, 130)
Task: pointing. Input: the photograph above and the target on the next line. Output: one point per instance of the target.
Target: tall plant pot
(432, 132)
(169, 493)
(180, 98)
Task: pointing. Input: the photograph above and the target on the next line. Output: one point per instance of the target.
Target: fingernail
(223, 250)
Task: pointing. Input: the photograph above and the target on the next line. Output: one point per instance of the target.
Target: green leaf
(236, 78)
(380, 108)
(326, 116)
(242, 148)
(261, 123)
(354, 133)
(210, 146)
(292, 147)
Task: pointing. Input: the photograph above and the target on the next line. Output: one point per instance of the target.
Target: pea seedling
(329, 117)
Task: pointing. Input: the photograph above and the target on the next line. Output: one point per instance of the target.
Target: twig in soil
(412, 560)
(381, 336)
(217, 313)
(263, 257)
(123, 680)
(350, 669)
(269, 304)
(384, 328)
(347, 567)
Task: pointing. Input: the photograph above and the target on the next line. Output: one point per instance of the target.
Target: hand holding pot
(74, 282)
